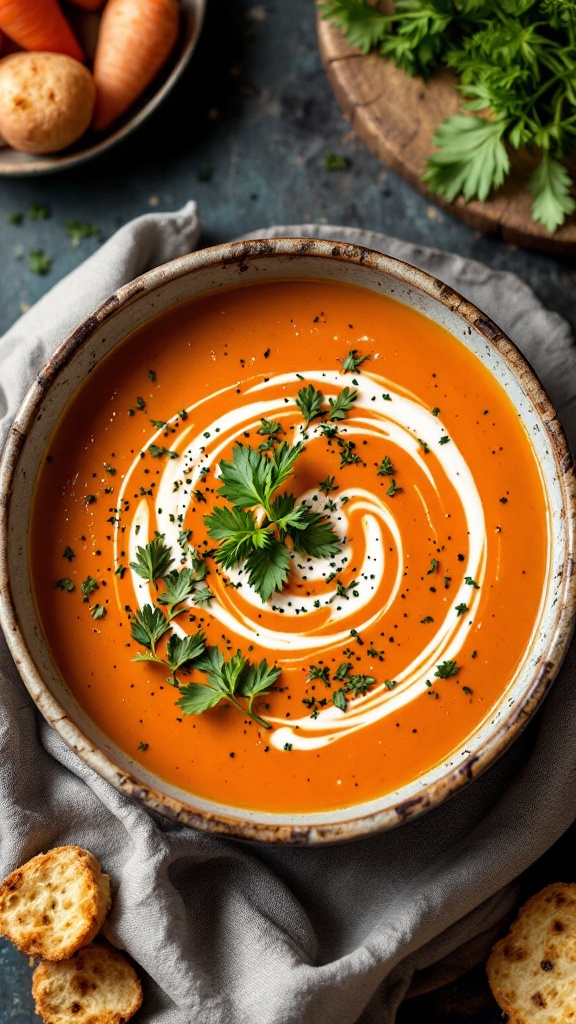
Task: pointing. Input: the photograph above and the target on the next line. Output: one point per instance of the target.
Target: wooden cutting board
(396, 115)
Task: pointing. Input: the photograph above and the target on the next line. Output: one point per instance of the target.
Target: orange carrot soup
(289, 546)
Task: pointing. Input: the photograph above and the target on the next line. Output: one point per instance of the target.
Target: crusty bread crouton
(54, 904)
(96, 986)
(532, 971)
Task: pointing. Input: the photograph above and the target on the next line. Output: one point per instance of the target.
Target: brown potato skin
(46, 101)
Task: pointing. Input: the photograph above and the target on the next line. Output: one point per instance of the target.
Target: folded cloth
(227, 933)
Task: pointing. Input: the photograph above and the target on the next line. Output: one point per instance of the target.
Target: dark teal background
(245, 133)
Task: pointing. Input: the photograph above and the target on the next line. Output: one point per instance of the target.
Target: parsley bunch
(255, 529)
(515, 62)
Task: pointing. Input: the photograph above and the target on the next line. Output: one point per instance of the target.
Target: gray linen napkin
(226, 933)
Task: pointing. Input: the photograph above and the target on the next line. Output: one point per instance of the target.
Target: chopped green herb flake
(157, 452)
(88, 587)
(64, 584)
(446, 670)
(78, 230)
(336, 162)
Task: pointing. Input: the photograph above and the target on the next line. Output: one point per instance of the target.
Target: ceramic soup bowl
(361, 685)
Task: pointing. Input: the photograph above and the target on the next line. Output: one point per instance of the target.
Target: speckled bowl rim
(25, 165)
(238, 824)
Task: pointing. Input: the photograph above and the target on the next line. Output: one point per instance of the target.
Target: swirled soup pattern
(432, 489)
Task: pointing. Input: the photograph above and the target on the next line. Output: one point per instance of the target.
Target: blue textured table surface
(245, 133)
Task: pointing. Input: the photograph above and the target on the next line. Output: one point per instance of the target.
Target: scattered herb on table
(39, 262)
(78, 230)
(37, 211)
(336, 162)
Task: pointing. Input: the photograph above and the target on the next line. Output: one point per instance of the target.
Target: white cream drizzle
(402, 420)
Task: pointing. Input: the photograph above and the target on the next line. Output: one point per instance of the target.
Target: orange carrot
(39, 25)
(90, 5)
(134, 40)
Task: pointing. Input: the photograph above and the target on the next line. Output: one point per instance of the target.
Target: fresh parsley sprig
(228, 681)
(255, 529)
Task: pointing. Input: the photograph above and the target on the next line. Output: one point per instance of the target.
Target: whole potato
(46, 101)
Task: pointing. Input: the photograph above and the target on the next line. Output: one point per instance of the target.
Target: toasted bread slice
(532, 971)
(54, 904)
(96, 986)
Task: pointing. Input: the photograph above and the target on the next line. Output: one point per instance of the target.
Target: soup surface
(315, 521)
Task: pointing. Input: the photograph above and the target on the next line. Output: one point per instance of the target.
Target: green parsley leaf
(393, 489)
(257, 680)
(97, 611)
(182, 651)
(309, 401)
(238, 532)
(69, 554)
(471, 158)
(363, 24)
(197, 698)
(269, 427)
(147, 627)
(550, 185)
(342, 404)
(315, 536)
(268, 568)
(153, 561)
(179, 587)
(202, 597)
(246, 481)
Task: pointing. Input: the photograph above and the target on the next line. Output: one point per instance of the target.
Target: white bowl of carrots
(78, 76)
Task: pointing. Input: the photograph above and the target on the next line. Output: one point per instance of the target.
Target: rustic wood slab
(396, 115)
